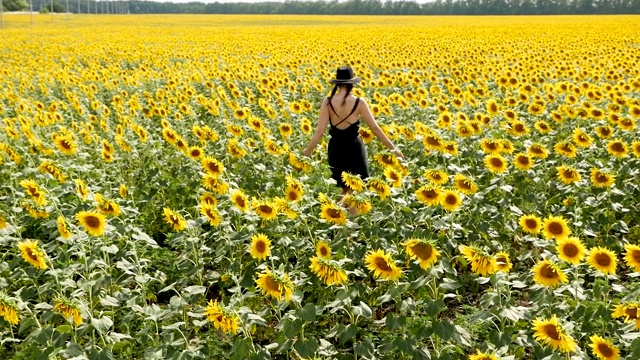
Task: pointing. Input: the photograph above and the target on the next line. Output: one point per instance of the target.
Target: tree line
(350, 7)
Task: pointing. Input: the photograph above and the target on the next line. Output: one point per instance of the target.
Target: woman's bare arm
(323, 121)
(375, 128)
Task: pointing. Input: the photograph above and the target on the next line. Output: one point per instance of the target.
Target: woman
(347, 152)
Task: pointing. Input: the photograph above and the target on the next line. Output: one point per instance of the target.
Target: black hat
(344, 75)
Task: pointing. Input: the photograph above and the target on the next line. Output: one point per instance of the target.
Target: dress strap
(355, 106)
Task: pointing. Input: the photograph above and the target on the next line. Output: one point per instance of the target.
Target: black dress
(346, 150)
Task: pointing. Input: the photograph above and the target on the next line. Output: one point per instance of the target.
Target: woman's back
(344, 111)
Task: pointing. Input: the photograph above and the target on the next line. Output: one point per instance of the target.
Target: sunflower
(523, 161)
(359, 203)
(549, 332)
(69, 309)
(636, 148)
(277, 286)
(451, 148)
(3, 223)
(256, 124)
(66, 145)
(222, 318)
(548, 274)
(482, 356)
(604, 132)
(618, 148)
(240, 200)
(632, 256)
(212, 166)
(333, 214)
(92, 222)
(9, 310)
(507, 146)
(122, 190)
(33, 254)
(328, 270)
(603, 349)
(530, 223)
(260, 247)
(81, 189)
(382, 265)
(109, 208)
(603, 260)
(323, 250)
(212, 183)
(568, 175)
(437, 177)
(601, 179)
(629, 311)
(428, 195)
(394, 176)
(503, 263)
(491, 146)
(464, 184)
(422, 251)
(450, 200)
(174, 219)
(542, 127)
(555, 227)
(195, 152)
(365, 134)
(378, 186)
(495, 163)
(581, 139)
(386, 159)
(538, 150)
(481, 263)
(170, 135)
(209, 211)
(432, 142)
(323, 198)
(32, 188)
(63, 229)
(571, 250)
(266, 209)
(565, 149)
(354, 182)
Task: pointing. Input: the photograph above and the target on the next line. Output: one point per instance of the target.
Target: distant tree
(15, 5)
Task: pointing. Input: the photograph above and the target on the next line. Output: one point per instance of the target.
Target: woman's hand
(398, 153)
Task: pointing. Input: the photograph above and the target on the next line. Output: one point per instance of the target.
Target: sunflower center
(292, 195)
(451, 199)
(195, 152)
(324, 251)
(430, 194)
(548, 272)
(569, 174)
(496, 162)
(531, 223)
(65, 144)
(519, 127)
(261, 246)
(552, 332)
(387, 159)
(601, 178)
(536, 150)
(632, 313)
(436, 177)
(605, 350)
(492, 146)
(570, 250)
(92, 221)
(381, 264)
(464, 184)
(617, 147)
(555, 228)
(240, 201)
(523, 160)
(271, 284)
(635, 254)
(333, 213)
(31, 254)
(603, 259)
(422, 251)
(265, 209)
(433, 141)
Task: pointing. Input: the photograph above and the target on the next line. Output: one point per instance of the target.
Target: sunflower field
(155, 202)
